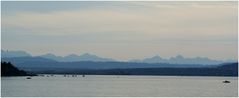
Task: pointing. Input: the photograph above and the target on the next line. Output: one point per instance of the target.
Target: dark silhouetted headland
(7, 69)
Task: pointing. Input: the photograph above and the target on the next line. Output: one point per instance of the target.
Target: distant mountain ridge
(7, 53)
(179, 59)
(68, 58)
(74, 58)
(43, 65)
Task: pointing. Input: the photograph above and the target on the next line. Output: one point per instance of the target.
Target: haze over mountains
(179, 59)
(92, 64)
(8, 54)
(74, 58)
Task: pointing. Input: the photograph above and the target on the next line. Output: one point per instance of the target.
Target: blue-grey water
(118, 86)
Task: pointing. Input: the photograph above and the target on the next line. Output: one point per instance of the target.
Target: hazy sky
(122, 30)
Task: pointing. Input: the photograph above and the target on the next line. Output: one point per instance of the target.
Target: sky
(122, 30)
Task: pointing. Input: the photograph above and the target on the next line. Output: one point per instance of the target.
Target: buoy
(226, 81)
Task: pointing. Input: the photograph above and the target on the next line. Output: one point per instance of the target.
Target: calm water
(129, 86)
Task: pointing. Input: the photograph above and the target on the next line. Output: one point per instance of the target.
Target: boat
(226, 81)
(83, 75)
(29, 78)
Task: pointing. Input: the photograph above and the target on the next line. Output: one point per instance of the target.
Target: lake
(118, 86)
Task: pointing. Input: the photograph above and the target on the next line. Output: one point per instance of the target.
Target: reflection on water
(129, 86)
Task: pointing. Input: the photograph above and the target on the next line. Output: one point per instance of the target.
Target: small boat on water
(226, 81)
(29, 78)
(83, 75)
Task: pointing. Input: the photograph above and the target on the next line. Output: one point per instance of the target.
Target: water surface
(118, 86)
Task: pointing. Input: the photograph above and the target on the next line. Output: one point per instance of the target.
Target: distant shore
(227, 70)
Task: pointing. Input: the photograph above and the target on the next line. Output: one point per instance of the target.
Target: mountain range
(179, 59)
(6, 53)
(74, 58)
(92, 64)
(39, 65)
